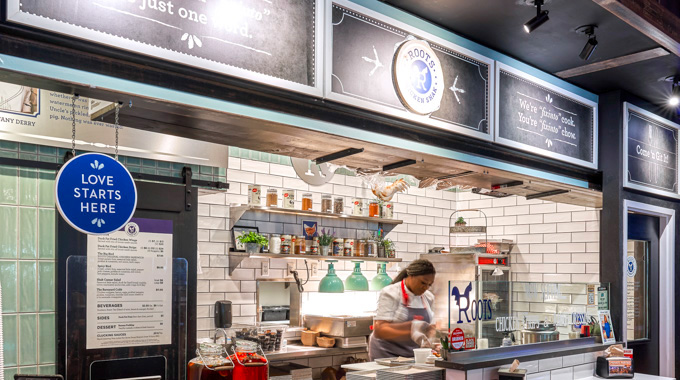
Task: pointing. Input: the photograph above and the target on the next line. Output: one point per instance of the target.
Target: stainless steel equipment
(344, 326)
(542, 333)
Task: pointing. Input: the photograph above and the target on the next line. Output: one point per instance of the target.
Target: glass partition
(504, 313)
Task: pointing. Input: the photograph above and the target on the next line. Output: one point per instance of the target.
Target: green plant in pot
(253, 242)
(460, 222)
(325, 240)
(390, 249)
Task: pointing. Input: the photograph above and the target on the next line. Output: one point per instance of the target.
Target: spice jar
(349, 247)
(286, 243)
(288, 198)
(294, 244)
(315, 246)
(326, 203)
(338, 205)
(272, 197)
(361, 248)
(306, 202)
(372, 248)
(275, 243)
(338, 247)
(374, 209)
(357, 207)
(210, 363)
(300, 246)
(388, 210)
(254, 195)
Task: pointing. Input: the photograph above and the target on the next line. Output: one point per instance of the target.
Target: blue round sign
(95, 194)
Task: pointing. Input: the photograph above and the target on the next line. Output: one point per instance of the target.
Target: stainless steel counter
(293, 352)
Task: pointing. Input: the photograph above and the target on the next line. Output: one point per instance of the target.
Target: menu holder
(167, 361)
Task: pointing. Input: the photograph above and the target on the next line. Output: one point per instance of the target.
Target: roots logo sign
(472, 310)
(418, 79)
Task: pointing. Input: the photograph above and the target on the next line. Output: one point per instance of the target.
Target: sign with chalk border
(95, 194)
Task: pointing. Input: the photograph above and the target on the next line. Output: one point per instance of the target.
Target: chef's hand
(419, 332)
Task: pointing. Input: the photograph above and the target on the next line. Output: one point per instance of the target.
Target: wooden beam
(650, 18)
(612, 63)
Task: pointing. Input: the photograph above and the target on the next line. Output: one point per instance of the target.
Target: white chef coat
(391, 303)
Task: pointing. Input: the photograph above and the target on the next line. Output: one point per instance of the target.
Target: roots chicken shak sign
(95, 194)
(417, 77)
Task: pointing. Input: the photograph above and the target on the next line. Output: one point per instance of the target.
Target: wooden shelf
(319, 257)
(236, 212)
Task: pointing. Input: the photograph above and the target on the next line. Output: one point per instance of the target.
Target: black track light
(674, 99)
(540, 19)
(591, 44)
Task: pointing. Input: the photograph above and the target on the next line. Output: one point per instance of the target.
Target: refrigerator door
(498, 289)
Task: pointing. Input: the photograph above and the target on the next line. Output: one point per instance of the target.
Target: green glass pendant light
(381, 280)
(331, 283)
(356, 281)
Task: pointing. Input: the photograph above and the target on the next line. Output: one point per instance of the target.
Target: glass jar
(286, 244)
(357, 207)
(254, 194)
(388, 210)
(210, 363)
(374, 209)
(339, 205)
(326, 203)
(349, 247)
(275, 243)
(248, 364)
(306, 202)
(361, 248)
(338, 247)
(372, 248)
(315, 246)
(272, 197)
(288, 200)
(300, 246)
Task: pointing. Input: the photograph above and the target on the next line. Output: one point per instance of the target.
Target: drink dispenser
(248, 363)
(210, 364)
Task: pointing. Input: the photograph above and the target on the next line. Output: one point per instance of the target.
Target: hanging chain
(73, 124)
(117, 126)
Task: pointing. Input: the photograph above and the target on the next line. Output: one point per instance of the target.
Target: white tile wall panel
(424, 201)
(563, 207)
(241, 177)
(571, 247)
(218, 261)
(585, 258)
(562, 374)
(549, 364)
(571, 268)
(539, 376)
(558, 217)
(281, 170)
(571, 227)
(548, 277)
(223, 286)
(253, 166)
(557, 258)
(234, 163)
(584, 371)
(543, 248)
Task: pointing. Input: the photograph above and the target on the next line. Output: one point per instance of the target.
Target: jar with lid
(272, 198)
(210, 363)
(326, 203)
(338, 247)
(349, 247)
(361, 248)
(288, 198)
(388, 210)
(254, 194)
(374, 209)
(314, 250)
(248, 363)
(339, 205)
(275, 243)
(357, 207)
(306, 202)
(286, 244)
(300, 246)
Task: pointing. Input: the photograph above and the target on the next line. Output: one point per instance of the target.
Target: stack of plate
(361, 375)
(410, 372)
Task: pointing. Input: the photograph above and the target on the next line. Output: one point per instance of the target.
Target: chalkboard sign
(535, 116)
(272, 41)
(361, 49)
(650, 152)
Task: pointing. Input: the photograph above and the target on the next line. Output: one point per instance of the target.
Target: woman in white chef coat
(405, 312)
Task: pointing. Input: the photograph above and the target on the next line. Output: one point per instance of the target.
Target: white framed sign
(650, 152)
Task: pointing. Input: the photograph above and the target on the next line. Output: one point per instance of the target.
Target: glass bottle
(306, 202)
(272, 197)
(248, 364)
(326, 203)
(374, 209)
(338, 206)
(210, 363)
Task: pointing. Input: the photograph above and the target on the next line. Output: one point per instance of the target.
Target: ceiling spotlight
(540, 19)
(591, 44)
(674, 99)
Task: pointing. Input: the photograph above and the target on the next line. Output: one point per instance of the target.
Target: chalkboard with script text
(363, 49)
(540, 118)
(651, 152)
(274, 39)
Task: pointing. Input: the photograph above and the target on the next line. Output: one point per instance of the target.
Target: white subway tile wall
(554, 242)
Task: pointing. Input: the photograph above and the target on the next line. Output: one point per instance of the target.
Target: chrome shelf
(319, 257)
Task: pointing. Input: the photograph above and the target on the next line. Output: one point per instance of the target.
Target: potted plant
(388, 245)
(460, 222)
(325, 240)
(253, 241)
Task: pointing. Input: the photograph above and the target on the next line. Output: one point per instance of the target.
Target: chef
(405, 312)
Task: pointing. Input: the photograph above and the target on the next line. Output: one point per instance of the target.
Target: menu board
(129, 286)
(650, 152)
(273, 41)
(362, 50)
(535, 116)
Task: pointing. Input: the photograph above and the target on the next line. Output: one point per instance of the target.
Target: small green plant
(461, 221)
(253, 237)
(388, 244)
(326, 237)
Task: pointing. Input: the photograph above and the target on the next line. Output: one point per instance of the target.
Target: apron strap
(405, 297)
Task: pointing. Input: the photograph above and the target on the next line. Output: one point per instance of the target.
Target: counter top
(495, 357)
(638, 376)
(292, 352)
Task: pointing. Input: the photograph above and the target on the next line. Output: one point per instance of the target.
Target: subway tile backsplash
(554, 242)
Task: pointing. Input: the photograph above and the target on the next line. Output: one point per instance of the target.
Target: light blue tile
(28, 156)
(148, 163)
(10, 334)
(28, 148)
(48, 150)
(47, 339)
(28, 187)
(9, 183)
(46, 234)
(28, 227)
(28, 282)
(10, 230)
(234, 151)
(46, 286)
(28, 345)
(164, 165)
(8, 145)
